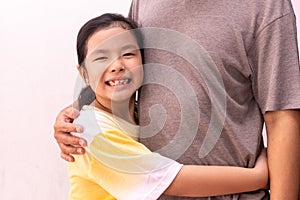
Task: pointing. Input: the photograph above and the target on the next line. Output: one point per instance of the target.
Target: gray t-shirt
(213, 79)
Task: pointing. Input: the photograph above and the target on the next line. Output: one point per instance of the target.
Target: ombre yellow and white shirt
(115, 165)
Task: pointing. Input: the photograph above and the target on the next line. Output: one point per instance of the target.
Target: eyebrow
(129, 46)
(97, 51)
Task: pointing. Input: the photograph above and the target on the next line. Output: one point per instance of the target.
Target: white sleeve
(124, 167)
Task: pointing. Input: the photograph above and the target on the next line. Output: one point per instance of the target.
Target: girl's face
(113, 65)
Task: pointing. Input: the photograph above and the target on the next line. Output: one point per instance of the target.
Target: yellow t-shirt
(115, 165)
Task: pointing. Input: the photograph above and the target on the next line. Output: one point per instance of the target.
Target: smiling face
(113, 65)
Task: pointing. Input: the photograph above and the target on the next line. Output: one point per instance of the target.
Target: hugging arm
(202, 181)
(189, 181)
(62, 127)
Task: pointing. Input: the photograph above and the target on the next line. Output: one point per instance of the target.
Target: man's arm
(62, 127)
(283, 132)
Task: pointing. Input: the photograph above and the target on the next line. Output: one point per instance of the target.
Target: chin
(119, 98)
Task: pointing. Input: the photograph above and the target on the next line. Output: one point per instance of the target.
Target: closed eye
(101, 58)
(128, 54)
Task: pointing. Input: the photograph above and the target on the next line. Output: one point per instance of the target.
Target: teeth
(118, 82)
(111, 83)
(124, 81)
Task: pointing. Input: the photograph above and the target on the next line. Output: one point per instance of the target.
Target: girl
(116, 165)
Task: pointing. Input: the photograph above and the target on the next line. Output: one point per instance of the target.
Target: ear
(83, 73)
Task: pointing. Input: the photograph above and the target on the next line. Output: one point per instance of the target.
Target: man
(253, 46)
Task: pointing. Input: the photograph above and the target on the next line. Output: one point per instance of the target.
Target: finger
(264, 153)
(67, 157)
(63, 113)
(68, 114)
(66, 127)
(72, 112)
(68, 149)
(68, 139)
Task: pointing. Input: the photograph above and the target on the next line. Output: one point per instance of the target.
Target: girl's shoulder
(95, 120)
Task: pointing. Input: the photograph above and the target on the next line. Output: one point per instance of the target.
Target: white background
(37, 77)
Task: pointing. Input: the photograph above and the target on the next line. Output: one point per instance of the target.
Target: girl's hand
(261, 169)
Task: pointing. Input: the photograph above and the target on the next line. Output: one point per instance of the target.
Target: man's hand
(63, 126)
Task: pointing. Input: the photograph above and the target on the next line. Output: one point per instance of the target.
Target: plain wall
(37, 78)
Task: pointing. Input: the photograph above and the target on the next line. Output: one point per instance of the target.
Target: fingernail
(82, 143)
(79, 150)
(79, 129)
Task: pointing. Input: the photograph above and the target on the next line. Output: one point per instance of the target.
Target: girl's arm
(203, 181)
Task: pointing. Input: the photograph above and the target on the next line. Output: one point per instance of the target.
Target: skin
(62, 127)
(215, 180)
(283, 131)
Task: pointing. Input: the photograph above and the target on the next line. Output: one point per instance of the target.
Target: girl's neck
(124, 110)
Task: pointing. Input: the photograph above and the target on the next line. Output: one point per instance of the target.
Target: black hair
(103, 22)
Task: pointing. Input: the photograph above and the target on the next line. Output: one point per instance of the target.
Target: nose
(117, 66)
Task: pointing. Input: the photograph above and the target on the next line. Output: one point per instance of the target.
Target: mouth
(118, 82)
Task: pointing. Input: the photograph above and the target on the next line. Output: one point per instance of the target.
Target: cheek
(139, 74)
(95, 75)
(133, 63)
(137, 69)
